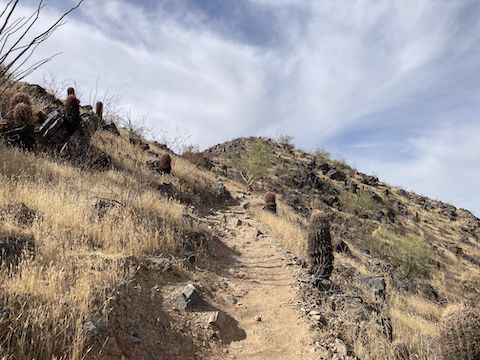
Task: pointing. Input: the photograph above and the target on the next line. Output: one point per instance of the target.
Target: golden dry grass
(286, 226)
(50, 294)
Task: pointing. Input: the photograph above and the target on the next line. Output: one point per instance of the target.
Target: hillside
(106, 256)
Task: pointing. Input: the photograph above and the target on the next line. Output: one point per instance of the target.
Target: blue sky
(390, 86)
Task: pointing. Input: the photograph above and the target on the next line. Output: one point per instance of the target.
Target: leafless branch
(15, 49)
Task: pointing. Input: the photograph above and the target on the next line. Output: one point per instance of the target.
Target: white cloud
(445, 165)
(333, 65)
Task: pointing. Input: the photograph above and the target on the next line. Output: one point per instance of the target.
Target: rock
(153, 153)
(12, 247)
(258, 318)
(111, 128)
(103, 205)
(21, 137)
(101, 162)
(94, 326)
(133, 340)
(246, 205)
(341, 247)
(219, 189)
(52, 129)
(161, 263)
(429, 292)
(330, 200)
(188, 299)
(324, 168)
(377, 198)
(22, 214)
(337, 175)
(340, 347)
(168, 189)
(238, 222)
(225, 327)
(270, 207)
(216, 319)
(258, 233)
(153, 164)
(378, 285)
(370, 180)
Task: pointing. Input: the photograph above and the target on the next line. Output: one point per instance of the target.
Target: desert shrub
(285, 139)
(359, 202)
(322, 154)
(343, 165)
(410, 256)
(193, 155)
(254, 163)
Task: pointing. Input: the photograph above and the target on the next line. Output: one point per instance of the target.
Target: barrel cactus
(460, 333)
(72, 112)
(165, 164)
(320, 250)
(270, 203)
(22, 115)
(19, 98)
(99, 109)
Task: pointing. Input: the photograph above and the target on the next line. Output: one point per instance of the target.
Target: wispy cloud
(371, 80)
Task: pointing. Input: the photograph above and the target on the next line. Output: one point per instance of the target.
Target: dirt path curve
(266, 295)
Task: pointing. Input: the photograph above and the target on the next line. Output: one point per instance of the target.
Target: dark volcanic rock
(337, 175)
(330, 200)
(189, 299)
(377, 284)
(324, 168)
(112, 128)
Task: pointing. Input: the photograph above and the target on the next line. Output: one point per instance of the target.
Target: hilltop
(105, 255)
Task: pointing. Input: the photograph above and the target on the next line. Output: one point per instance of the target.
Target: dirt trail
(265, 288)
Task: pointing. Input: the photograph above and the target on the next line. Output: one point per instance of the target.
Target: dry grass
(49, 295)
(287, 227)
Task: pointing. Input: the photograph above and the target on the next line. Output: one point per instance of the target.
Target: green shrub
(322, 154)
(285, 139)
(359, 202)
(409, 254)
(254, 163)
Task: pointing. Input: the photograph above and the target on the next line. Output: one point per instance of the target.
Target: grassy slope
(77, 255)
(423, 246)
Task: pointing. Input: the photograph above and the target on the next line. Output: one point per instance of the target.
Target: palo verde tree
(254, 163)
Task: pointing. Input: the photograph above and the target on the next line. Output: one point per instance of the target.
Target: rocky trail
(266, 294)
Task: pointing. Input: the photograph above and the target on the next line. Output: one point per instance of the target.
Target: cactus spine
(320, 251)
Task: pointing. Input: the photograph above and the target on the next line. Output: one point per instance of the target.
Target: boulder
(330, 200)
(377, 284)
(370, 180)
(219, 189)
(337, 175)
(111, 128)
(22, 137)
(188, 299)
(324, 168)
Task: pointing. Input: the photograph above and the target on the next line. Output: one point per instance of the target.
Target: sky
(392, 87)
